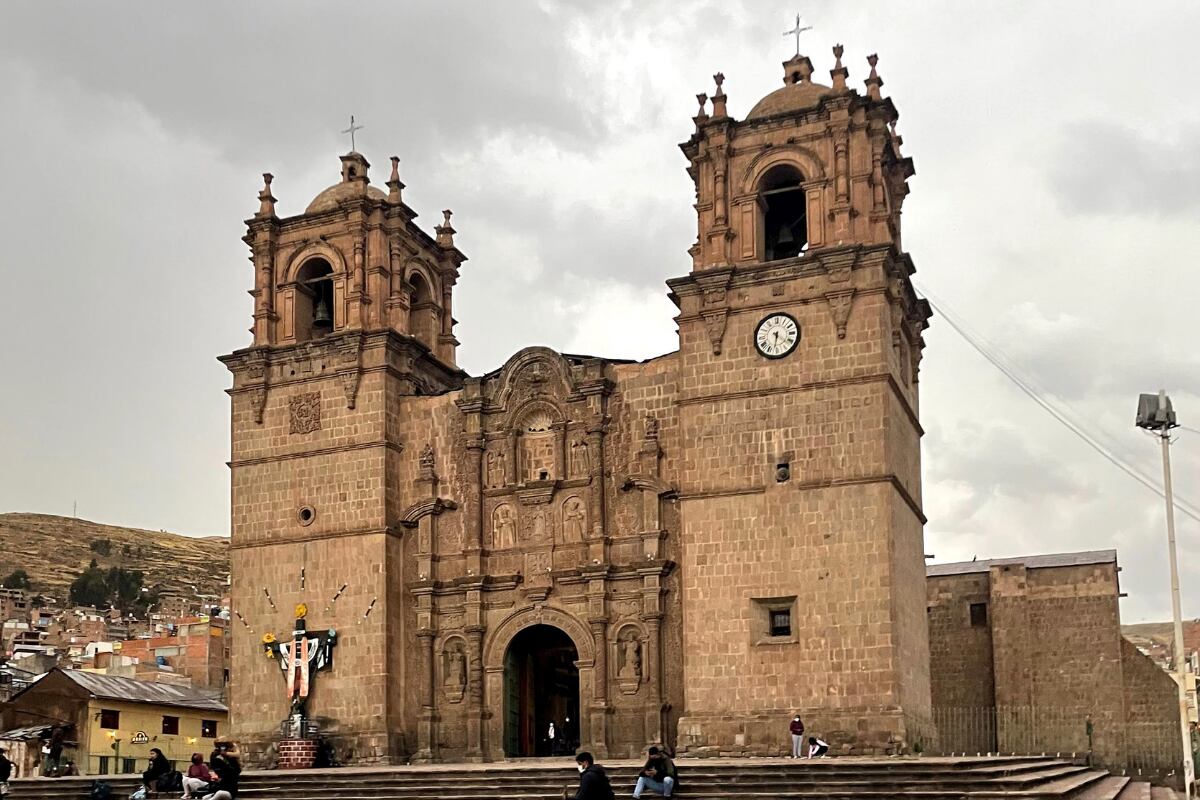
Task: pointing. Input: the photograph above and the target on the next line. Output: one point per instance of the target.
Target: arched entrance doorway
(541, 686)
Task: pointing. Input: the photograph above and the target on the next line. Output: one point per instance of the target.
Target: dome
(354, 185)
(342, 191)
(793, 97)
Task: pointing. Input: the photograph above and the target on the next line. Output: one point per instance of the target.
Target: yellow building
(112, 722)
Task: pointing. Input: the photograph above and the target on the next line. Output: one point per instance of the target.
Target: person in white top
(817, 748)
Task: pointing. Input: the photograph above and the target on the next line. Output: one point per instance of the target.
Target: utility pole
(1156, 415)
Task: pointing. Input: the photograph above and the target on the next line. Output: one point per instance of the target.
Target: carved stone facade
(638, 519)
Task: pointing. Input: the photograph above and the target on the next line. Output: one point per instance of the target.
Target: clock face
(777, 335)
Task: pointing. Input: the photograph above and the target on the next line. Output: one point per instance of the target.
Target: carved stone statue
(456, 668)
(651, 428)
(539, 525)
(631, 659)
(574, 520)
(504, 528)
(427, 457)
(581, 462)
(495, 469)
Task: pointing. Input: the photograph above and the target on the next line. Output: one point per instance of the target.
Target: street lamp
(1156, 415)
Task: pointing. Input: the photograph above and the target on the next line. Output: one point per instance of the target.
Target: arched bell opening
(541, 689)
(424, 313)
(314, 300)
(785, 213)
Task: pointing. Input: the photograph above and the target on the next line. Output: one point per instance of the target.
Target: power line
(1010, 372)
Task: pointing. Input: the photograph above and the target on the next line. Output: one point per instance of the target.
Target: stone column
(473, 535)
(653, 659)
(599, 703)
(514, 472)
(595, 439)
(475, 692)
(426, 735)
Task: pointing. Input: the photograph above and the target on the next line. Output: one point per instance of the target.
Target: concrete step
(715, 779)
(1136, 790)
(1107, 789)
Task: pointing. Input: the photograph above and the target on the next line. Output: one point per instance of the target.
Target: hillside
(53, 550)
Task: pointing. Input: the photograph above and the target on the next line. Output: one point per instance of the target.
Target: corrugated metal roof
(26, 733)
(111, 687)
(1030, 562)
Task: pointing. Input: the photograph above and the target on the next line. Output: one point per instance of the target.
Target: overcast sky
(1054, 208)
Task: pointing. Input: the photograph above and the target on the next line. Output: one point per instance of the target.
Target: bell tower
(800, 486)
(352, 319)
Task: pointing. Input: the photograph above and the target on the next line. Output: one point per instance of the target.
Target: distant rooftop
(1030, 562)
(112, 687)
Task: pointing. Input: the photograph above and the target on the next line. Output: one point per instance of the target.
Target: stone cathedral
(683, 550)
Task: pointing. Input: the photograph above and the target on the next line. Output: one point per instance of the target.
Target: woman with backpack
(159, 766)
(226, 772)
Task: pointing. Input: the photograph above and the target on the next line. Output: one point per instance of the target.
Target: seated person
(198, 777)
(658, 774)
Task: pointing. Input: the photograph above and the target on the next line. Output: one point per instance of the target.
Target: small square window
(171, 725)
(208, 728)
(979, 615)
(109, 719)
(771, 620)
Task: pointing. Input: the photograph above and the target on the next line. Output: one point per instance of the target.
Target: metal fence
(1144, 747)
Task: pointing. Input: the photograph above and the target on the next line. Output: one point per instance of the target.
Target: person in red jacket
(797, 731)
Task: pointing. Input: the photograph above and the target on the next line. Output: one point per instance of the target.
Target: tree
(102, 547)
(90, 587)
(19, 579)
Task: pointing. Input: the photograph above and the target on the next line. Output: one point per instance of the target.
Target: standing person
(796, 728)
(57, 737)
(227, 773)
(159, 766)
(593, 781)
(658, 774)
(198, 776)
(5, 772)
(817, 747)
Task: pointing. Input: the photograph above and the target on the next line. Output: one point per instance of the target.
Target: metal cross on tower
(354, 127)
(796, 31)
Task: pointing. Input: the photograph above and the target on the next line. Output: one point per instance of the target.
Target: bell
(321, 316)
(785, 235)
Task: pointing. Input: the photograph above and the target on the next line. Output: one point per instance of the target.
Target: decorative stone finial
(719, 98)
(873, 81)
(797, 69)
(702, 114)
(897, 139)
(394, 183)
(839, 73)
(266, 201)
(445, 231)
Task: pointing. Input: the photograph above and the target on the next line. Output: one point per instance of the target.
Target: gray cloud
(1102, 167)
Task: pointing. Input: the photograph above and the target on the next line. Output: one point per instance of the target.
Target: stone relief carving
(427, 457)
(581, 462)
(504, 527)
(454, 672)
(651, 430)
(305, 412)
(574, 515)
(495, 469)
(537, 525)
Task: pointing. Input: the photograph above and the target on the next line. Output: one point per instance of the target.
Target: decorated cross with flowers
(302, 657)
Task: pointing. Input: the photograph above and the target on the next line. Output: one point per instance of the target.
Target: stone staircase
(707, 779)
